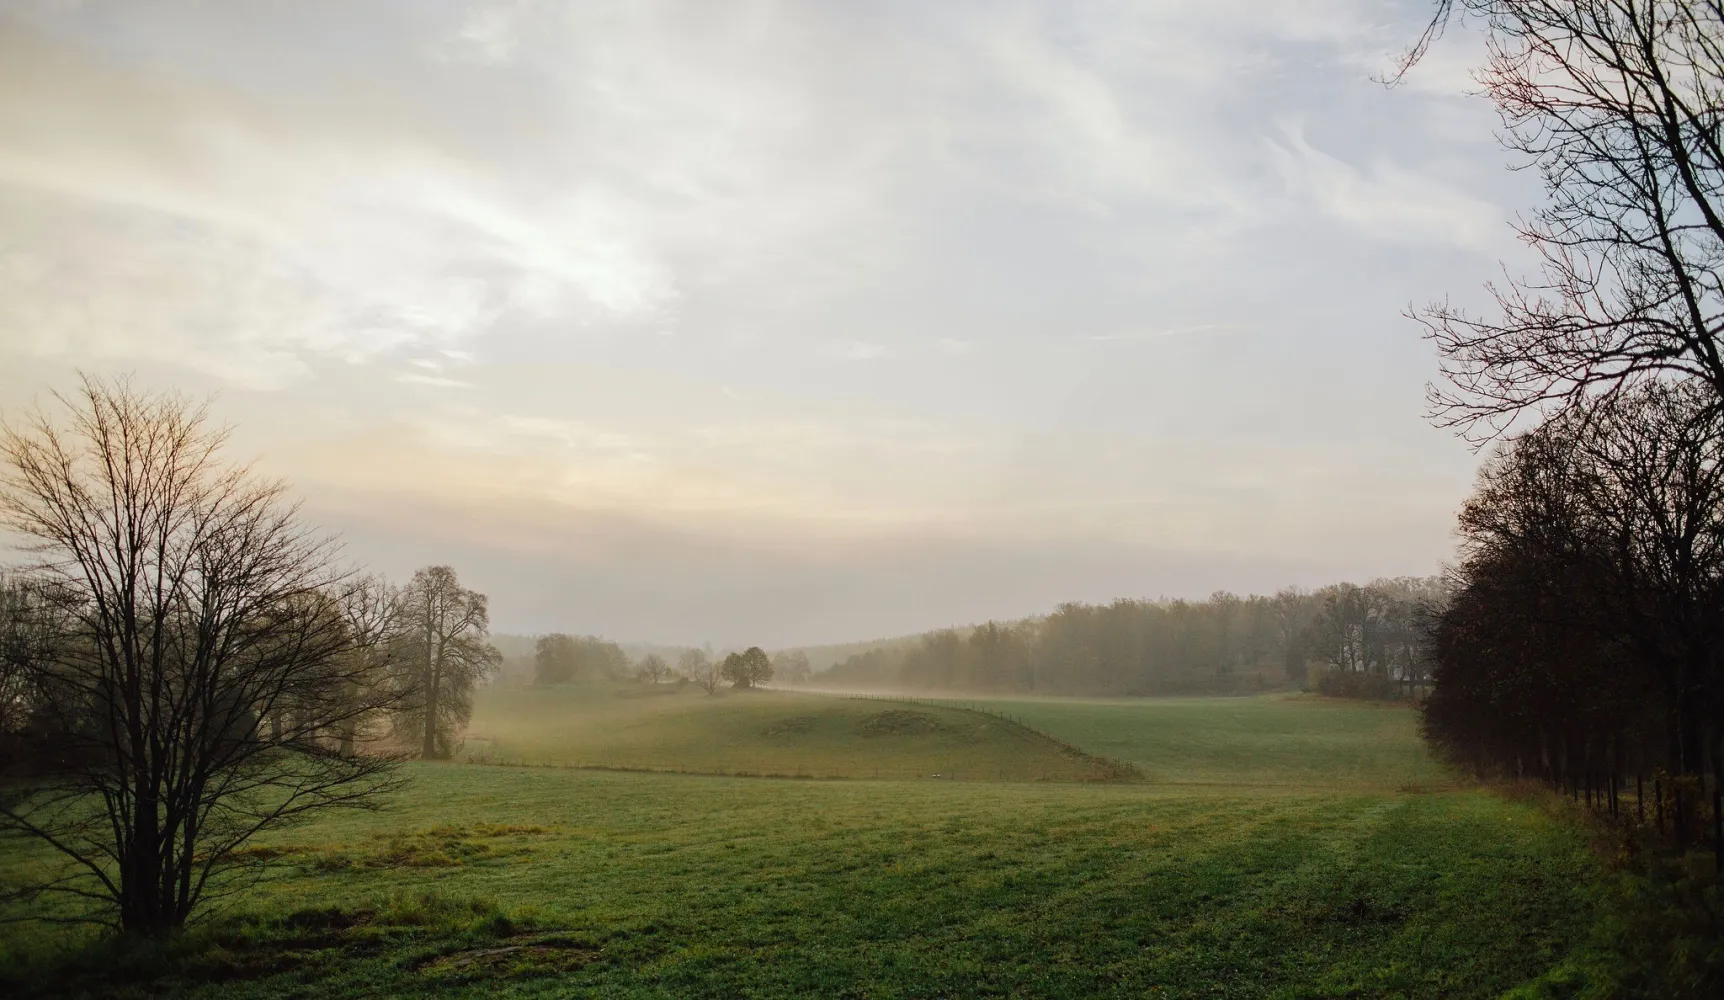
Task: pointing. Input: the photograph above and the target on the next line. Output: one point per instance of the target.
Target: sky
(775, 323)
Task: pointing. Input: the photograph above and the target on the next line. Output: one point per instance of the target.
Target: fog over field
(776, 323)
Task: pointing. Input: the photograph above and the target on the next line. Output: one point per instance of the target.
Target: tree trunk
(142, 897)
(349, 726)
(140, 866)
(1690, 737)
(433, 663)
(429, 749)
(1718, 804)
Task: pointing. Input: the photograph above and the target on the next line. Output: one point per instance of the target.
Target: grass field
(1277, 740)
(1258, 880)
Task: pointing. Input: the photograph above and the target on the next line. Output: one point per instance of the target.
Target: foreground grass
(543, 882)
(762, 733)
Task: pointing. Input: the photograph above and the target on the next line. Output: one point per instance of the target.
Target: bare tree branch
(1618, 105)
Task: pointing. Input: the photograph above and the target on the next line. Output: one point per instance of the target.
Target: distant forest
(1357, 641)
(1344, 640)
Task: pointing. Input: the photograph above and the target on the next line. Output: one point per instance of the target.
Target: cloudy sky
(773, 322)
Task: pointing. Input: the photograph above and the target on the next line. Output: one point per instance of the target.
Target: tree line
(1344, 640)
(559, 658)
(185, 664)
(1581, 645)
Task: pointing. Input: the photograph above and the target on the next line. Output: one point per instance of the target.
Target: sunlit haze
(774, 323)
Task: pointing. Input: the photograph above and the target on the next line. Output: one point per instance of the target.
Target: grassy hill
(774, 733)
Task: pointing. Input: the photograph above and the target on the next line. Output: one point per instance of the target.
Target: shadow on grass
(424, 935)
(1660, 929)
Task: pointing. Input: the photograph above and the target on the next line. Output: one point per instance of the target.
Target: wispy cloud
(858, 350)
(1383, 199)
(419, 378)
(1177, 331)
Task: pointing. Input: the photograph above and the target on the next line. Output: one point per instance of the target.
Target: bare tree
(698, 667)
(444, 656)
(28, 632)
(1657, 464)
(1294, 618)
(1618, 104)
(652, 668)
(792, 667)
(190, 604)
(1583, 640)
(372, 610)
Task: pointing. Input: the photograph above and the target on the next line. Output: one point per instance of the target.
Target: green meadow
(1280, 741)
(1246, 848)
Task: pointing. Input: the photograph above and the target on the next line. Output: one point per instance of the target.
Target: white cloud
(1384, 200)
(490, 32)
(858, 350)
(376, 239)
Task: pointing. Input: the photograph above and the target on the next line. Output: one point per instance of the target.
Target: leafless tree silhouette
(1618, 105)
(202, 683)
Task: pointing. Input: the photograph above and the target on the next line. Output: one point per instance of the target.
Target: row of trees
(1371, 641)
(184, 664)
(559, 658)
(1359, 641)
(1582, 643)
